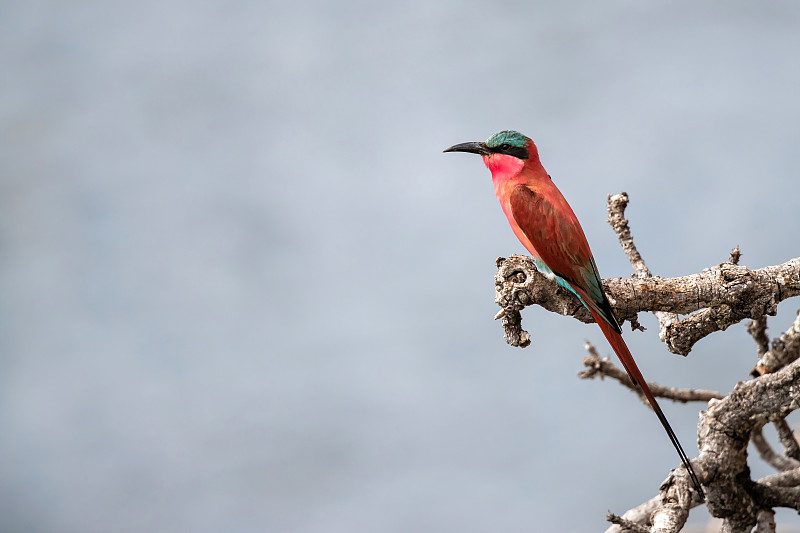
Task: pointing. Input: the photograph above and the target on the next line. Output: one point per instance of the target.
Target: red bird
(545, 224)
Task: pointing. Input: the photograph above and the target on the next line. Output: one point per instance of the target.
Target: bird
(544, 222)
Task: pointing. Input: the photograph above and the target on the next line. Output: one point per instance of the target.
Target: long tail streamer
(624, 354)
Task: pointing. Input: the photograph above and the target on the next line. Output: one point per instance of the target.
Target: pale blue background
(242, 289)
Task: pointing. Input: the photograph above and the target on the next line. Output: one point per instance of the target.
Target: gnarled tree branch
(724, 431)
(713, 299)
(718, 297)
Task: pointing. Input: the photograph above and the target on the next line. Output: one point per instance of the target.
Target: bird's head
(504, 153)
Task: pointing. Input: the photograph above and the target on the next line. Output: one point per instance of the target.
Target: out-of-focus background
(242, 289)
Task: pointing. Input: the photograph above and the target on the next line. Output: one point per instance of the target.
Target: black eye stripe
(520, 152)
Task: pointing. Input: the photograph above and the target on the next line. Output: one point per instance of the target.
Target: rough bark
(717, 298)
(784, 350)
(713, 299)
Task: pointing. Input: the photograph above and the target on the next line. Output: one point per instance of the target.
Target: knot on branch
(714, 299)
(518, 284)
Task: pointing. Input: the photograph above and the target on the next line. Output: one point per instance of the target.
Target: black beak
(473, 148)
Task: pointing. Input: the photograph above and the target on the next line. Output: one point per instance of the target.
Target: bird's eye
(505, 147)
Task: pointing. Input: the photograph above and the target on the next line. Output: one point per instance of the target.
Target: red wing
(555, 235)
(555, 232)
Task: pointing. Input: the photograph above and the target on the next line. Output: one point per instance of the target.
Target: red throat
(503, 166)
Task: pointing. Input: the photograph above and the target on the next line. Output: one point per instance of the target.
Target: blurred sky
(243, 289)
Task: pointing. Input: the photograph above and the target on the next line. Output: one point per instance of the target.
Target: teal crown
(514, 138)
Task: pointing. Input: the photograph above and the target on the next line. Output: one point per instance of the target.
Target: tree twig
(639, 515)
(616, 205)
(758, 330)
(626, 525)
(784, 350)
(602, 367)
(770, 456)
(787, 438)
(736, 254)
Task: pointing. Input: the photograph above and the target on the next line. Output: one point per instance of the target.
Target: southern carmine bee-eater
(545, 224)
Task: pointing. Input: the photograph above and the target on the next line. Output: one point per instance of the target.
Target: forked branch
(710, 301)
(713, 299)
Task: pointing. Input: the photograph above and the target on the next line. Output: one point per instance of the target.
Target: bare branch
(616, 217)
(787, 438)
(777, 461)
(787, 478)
(726, 294)
(784, 350)
(639, 516)
(713, 299)
(518, 284)
(724, 432)
(512, 326)
(625, 524)
(682, 336)
(758, 330)
(774, 496)
(602, 367)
